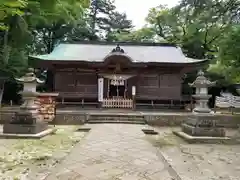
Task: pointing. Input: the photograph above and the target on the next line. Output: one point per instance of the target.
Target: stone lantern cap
(30, 77)
(202, 81)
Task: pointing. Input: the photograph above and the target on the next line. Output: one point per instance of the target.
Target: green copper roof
(98, 53)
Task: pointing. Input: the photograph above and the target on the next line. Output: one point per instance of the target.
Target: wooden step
(116, 118)
(115, 122)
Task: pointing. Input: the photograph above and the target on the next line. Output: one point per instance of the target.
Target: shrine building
(116, 75)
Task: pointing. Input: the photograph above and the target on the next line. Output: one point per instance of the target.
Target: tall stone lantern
(29, 93)
(202, 124)
(27, 120)
(202, 84)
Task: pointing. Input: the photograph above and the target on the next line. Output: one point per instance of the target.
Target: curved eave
(36, 61)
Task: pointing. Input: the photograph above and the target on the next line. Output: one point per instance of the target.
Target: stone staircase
(115, 118)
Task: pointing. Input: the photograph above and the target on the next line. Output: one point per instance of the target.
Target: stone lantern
(202, 84)
(201, 125)
(29, 93)
(27, 120)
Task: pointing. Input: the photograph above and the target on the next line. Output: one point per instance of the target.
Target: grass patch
(166, 140)
(31, 153)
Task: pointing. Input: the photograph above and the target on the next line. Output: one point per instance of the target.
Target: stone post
(27, 120)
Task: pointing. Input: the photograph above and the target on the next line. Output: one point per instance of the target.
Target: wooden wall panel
(64, 82)
(131, 82)
(84, 84)
(155, 86)
(159, 87)
(148, 80)
(87, 84)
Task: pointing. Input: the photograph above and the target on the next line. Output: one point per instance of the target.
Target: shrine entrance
(117, 95)
(117, 87)
(116, 91)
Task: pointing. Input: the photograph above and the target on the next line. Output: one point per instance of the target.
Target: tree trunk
(6, 48)
(1, 91)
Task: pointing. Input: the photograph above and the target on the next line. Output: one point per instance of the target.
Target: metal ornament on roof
(202, 81)
(118, 49)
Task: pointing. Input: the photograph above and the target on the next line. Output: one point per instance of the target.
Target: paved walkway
(114, 152)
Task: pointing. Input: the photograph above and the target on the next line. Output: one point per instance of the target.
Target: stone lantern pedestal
(201, 125)
(27, 121)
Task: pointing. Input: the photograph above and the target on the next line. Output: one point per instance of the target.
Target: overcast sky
(137, 10)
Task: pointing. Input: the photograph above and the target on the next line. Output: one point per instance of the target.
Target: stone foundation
(203, 125)
(28, 136)
(69, 119)
(203, 131)
(202, 139)
(226, 121)
(24, 128)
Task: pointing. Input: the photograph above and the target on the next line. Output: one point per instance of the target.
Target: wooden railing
(117, 103)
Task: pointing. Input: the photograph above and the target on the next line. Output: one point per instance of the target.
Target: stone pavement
(114, 152)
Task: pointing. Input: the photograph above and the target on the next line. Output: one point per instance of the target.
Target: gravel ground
(34, 159)
(199, 161)
(31, 159)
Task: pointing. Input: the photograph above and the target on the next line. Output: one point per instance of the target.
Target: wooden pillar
(125, 90)
(100, 91)
(118, 89)
(134, 97)
(108, 90)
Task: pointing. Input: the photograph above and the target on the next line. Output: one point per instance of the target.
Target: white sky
(137, 10)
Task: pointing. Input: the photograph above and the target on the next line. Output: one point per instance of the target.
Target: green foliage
(229, 56)
(144, 34)
(204, 29)
(10, 8)
(104, 22)
(33, 26)
(197, 26)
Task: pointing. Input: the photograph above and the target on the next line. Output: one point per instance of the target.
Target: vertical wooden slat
(117, 103)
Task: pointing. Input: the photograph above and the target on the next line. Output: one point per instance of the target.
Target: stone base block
(203, 131)
(149, 131)
(202, 139)
(28, 136)
(24, 128)
(84, 129)
(24, 117)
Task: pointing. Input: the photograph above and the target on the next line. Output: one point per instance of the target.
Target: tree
(103, 22)
(82, 31)
(55, 27)
(144, 34)
(118, 23)
(21, 22)
(196, 26)
(229, 57)
(10, 8)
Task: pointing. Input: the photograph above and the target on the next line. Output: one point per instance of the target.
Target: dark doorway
(121, 90)
(116, 91)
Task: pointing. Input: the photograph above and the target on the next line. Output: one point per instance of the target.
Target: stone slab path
(114, 152)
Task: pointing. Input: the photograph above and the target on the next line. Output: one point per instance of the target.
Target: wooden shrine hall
(116, 75)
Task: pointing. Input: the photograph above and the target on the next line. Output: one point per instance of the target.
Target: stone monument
(27, 120)
(202, 123)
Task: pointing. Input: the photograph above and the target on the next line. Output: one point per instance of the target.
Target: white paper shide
(100, 89)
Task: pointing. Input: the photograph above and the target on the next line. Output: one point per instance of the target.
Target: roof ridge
(121, 43)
